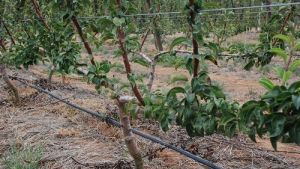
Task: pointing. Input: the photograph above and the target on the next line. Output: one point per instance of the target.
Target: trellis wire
(115, 123)
(202, 11)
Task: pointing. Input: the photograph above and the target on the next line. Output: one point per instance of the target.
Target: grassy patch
(22, 158)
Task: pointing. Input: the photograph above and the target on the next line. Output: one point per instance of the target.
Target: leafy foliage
(199, 107)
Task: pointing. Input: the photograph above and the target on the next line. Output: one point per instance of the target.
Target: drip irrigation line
(113, 122)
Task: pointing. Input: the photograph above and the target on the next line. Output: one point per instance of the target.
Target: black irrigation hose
(113, 122)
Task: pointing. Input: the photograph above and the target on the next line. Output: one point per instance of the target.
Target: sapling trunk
(121, 38)
(2, 44)
(156, 34)
(86, 44)
(38, 12)
(13, 91)
(9, 33)
(52, 70)
(129, 139)
(144, 39)
(194, 41)
(284, 24)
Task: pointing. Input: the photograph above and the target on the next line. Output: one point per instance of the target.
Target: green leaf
(190, 98)
(178, 78)
(296, 133)
(147, 111)
(295, 65)
(118, 21)
(212, 59)
(287, 75)
(280, 72)
(178, 41)
(274, 142)
(296, 101)
(267, 84)
(281, 53)
(295, 86)
(277, 125)
(284, 38)
(189, 65)
(249, 65)
(175, 91)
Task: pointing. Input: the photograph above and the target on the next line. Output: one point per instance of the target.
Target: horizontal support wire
(111, 121)
(202, 11)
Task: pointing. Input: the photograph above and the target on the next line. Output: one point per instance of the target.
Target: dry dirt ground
(70, 139)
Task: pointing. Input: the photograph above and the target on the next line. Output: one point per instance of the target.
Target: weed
(23, 157)
(172, 61)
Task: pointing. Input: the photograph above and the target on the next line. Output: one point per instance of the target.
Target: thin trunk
(64, 79)
(96, 6)
(10, 85)
(38, 12)
(2, 44)
(194, 41)
(86, 44)
(156, 34)
(129, 139)
(285, 22)
(9, 34)
(144, 39)
(121, 36)
(52, 70)
(269, 2)
(158, 41)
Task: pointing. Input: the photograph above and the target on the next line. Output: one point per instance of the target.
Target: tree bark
(10, 85)
(129, 139)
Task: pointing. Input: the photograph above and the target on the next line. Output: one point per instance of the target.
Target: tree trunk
(194, 41)
(156, 34)
(86, 44)
(38, 12)
(144, 38)
(52, 70)
(129, 139)
(2, 44)
(12, 89)
(269, 2)
(96, 6)
(9, 33)
(121, 37)
(158, 41)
